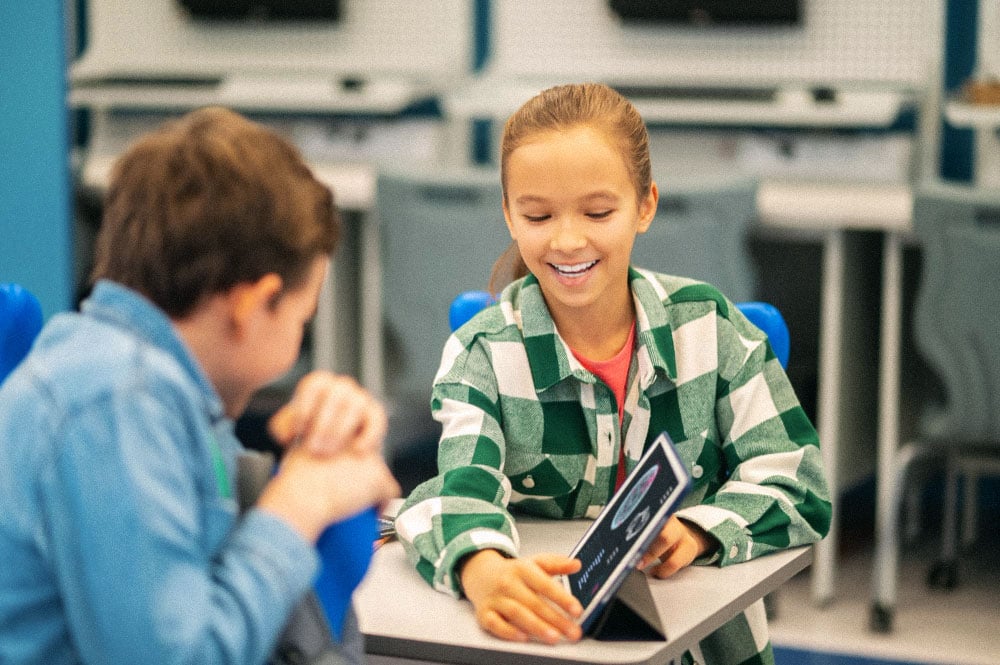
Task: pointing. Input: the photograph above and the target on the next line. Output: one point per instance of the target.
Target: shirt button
(696, 471)
(733, 551)
(528, 482)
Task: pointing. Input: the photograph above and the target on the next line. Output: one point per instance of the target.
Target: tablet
(626, 527)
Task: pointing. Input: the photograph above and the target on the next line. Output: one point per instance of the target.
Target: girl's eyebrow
(530, 198)
(602, 195)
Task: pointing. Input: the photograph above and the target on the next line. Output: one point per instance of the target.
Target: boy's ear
(647, 208)
(249, 299)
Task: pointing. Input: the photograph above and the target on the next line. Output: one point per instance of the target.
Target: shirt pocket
(547, 476)
(703, 459)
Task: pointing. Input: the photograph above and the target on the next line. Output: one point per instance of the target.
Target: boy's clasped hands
(333, 467)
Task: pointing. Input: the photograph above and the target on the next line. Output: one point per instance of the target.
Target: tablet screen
(627, 526)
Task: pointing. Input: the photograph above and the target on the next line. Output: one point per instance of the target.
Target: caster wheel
(943, 575)
(880, 620)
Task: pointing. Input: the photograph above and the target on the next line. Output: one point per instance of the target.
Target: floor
(957, 627)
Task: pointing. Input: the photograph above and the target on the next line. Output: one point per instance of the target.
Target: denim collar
(121, 306)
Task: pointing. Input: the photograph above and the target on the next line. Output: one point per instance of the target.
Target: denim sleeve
(150, 560)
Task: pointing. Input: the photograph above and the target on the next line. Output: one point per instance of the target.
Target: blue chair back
(764, 315)
(768, 318)
(20, 322)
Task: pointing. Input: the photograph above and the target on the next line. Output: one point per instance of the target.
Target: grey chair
(701, 232)
(957, 331)
(441, 232)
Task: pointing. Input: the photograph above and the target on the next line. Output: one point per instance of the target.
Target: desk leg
(324, 336)
(831, 349)
(372, 348)
(891, 461)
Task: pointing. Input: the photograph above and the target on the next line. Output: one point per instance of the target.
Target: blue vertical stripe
(35, 228)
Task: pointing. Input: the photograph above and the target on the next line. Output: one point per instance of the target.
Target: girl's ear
(506, 218)
(647, 208)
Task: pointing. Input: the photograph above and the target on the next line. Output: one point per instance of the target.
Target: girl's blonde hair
(560, 108)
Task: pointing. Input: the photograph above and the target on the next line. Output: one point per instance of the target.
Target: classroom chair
(20, 323)
(956, 327)
(764, 315)
(440, 232)
(700, 231)
(323, 628)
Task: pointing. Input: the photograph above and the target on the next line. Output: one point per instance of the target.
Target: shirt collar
(551, 359)
(121, 306)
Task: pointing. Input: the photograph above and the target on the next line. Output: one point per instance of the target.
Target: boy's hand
(329, 413)
(310, 492)
(518, 599)
(335, 468)
(678, 544)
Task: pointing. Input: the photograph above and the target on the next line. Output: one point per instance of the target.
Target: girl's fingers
(551, 590)
(493, 623)
(528, 620)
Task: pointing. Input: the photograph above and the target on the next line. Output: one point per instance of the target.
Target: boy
(117, 469)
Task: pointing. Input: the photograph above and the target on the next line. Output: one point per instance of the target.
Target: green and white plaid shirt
(525, 426)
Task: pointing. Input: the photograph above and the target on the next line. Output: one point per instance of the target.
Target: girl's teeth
(574, 269)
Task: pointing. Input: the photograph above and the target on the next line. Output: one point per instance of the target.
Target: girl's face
(573, 210)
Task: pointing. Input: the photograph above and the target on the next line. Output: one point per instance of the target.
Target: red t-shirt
(614, 372)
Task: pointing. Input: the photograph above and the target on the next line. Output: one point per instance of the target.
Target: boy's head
(209, 201)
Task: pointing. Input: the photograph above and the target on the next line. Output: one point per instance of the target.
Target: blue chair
(764, 315)
(20, 322)
(768, 318)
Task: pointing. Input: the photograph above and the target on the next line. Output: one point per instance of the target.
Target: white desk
(835, 210)
(404, 618)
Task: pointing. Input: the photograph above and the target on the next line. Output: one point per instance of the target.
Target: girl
(548, 398)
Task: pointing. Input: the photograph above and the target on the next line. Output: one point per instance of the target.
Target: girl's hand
(330, 413)
(518, 599)
(678, 544)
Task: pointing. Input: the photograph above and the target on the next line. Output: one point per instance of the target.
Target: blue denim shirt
(118, 542)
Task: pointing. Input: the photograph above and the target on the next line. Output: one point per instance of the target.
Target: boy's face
(272, 333)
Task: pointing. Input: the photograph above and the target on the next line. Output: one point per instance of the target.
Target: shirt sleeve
(149, 563)
(464, 508)
(775, 495)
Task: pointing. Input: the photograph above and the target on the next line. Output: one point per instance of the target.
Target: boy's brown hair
(209, 201)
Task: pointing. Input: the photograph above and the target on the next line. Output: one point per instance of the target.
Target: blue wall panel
(35, 220)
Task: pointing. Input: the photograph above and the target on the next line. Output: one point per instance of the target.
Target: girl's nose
(568, 236)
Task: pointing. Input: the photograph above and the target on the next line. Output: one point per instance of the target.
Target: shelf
(791, 107)
(972, 116)
(253, 93)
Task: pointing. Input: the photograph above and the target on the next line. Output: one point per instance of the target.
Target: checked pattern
(526, 428)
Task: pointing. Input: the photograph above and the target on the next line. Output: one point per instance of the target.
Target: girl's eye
(536, 218)
(600, 215)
